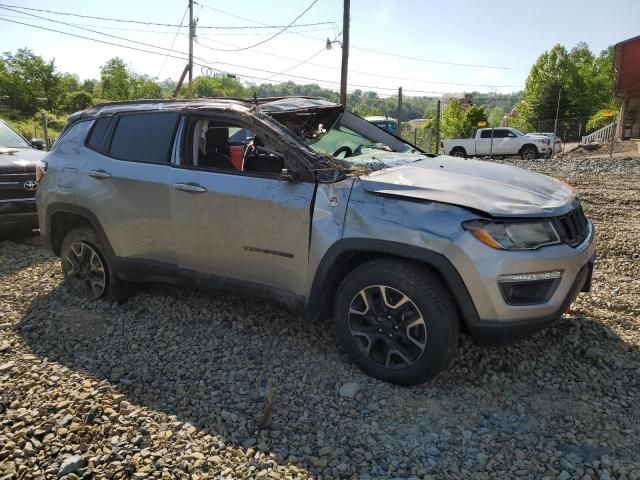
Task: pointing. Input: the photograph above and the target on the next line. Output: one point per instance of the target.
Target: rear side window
(145, 137)
(97, 137)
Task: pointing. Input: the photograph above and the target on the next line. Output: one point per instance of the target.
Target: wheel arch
(528, 145)
(347, 254)
(61, 218)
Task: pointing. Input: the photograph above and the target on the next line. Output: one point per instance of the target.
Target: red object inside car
(236, 156)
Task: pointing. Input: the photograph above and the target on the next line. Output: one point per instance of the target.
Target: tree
(585, 83)
(27, 81)
(473, 116)
(453, 120)
(495, 116)
(115, 80)
(75, 101)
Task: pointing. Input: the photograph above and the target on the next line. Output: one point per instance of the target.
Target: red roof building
(627, 65)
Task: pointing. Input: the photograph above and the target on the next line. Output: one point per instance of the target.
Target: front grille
(12, 185)
(573, 227)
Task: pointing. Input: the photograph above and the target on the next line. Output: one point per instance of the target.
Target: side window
(144, 137)
(486, 133)
(98, 136)
(500, 133)
(228, 147)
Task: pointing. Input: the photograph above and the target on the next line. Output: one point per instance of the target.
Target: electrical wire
(204, 63)
(164, 61)
(139, 22)
(379, 52)
(274, 35)
(351, 70)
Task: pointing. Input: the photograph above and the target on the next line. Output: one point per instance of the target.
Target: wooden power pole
(345, 52)
(191, 36)
(400, 111)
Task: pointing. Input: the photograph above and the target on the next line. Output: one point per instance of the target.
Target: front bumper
(481, 266)
(504, 332)
(18, 213)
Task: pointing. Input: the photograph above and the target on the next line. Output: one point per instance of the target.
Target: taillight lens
(41, 170)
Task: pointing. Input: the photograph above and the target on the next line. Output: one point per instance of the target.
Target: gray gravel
(174, 383)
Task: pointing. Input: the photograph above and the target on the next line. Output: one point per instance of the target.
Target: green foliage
(495, 116)
(75, 101)
(584, 82)
(600, 119)
(460, 122)
(27, 81)
(453, 120)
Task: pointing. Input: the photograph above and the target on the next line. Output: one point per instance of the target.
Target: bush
(601, 119)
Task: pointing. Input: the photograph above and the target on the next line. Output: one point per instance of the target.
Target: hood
(21, 160)
(495, 189)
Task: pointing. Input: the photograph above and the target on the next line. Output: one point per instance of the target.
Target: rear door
(246, 224)
(126, 182)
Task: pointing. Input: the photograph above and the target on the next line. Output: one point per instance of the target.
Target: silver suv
(299, 201)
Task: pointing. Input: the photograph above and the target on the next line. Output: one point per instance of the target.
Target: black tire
(529, 152)
(459, 152)
(433, 304)
(83, 251)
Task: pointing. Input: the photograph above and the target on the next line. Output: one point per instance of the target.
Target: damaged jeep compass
(299, 201)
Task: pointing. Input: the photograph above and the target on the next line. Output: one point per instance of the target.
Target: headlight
(513, 236)
(546, 141)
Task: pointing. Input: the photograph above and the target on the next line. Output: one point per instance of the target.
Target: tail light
(41, 170)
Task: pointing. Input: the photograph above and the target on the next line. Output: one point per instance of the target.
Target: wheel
(459, 152)
(86, 270)
(529, 153)
(396, 321)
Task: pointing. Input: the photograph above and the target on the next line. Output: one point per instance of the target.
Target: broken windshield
(354, 142)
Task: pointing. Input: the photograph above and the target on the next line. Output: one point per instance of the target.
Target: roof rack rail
(199, 99)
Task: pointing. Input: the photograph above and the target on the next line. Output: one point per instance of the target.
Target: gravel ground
(184, 384)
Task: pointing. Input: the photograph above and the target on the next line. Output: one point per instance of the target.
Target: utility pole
(400, 111)
(45, 126)
(438, 127)
(192, 34)
(555, 125)
(345, 51)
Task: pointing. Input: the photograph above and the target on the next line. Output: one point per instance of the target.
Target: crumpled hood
(496, 189)
(24, 160)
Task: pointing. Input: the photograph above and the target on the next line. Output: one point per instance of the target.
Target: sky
(454, 45)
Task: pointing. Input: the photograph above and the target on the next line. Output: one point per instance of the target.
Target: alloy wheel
(387, 326)
(85, 271)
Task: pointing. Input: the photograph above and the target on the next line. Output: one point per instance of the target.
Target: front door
(235, 215)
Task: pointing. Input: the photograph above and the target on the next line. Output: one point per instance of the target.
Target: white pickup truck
(498, 142)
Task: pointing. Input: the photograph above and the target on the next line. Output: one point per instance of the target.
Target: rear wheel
(86, 270)
(529, 152)
(396, 321)
(459, 152)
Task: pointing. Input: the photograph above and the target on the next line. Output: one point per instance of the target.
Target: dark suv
(18, 162)
(302, 202)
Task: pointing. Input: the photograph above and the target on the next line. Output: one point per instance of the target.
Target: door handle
(99, 174)
(190, 187)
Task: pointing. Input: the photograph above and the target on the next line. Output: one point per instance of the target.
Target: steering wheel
(347, 151)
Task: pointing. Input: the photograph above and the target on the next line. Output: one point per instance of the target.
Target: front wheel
(396, 321)
(529, 153)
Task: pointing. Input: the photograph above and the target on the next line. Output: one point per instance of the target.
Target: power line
(372, 74)
(139, 22)
(379, 52)
(274, 35)
(86, 29)
(203, 62)
(173, 42)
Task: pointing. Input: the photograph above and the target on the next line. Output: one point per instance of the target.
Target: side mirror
(289, 175)
(37, 143)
